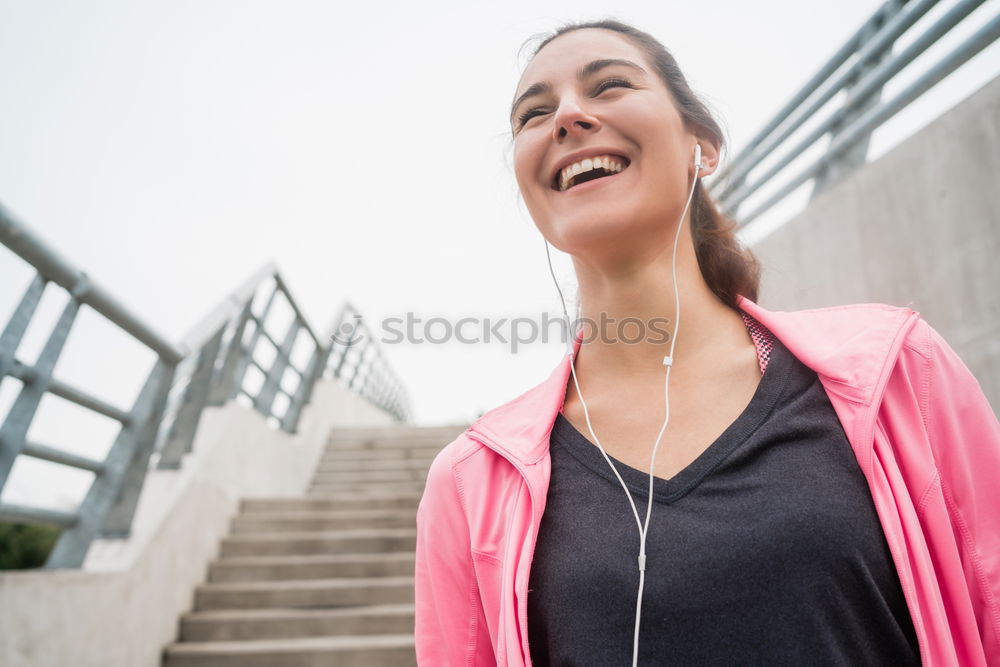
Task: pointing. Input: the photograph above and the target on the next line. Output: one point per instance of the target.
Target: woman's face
(589, 94)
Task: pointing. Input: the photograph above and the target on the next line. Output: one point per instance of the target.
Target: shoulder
(460, 447)
(950, 395)
(925, 359)
(448, 470)
(469, 477)
(926, 346)
(922, 338)
(441, 505)
(444, 462)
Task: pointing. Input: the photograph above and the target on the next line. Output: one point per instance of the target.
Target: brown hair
(726, 265)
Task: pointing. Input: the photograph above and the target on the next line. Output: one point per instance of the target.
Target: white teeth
(606, 162)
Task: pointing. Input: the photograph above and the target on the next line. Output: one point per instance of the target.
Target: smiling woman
(824, 492)
(638, 91)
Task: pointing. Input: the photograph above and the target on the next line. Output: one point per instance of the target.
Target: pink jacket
(924, 434)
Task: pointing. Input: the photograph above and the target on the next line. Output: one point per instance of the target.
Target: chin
(593, 231)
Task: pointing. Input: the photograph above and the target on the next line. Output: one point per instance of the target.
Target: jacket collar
(847, 346)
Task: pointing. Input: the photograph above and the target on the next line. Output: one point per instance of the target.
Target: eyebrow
(587, 70)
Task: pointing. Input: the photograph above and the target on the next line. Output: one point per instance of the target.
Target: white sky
(171, 148)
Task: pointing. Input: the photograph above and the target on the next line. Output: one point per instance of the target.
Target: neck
(617, 294)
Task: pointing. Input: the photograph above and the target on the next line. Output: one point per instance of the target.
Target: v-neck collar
(769, 390)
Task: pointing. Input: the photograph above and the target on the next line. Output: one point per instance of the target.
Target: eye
(528, 115)
(611, 83)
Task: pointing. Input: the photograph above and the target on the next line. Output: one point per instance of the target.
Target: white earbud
(697, 159)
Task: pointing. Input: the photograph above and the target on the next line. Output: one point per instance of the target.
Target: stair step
(396, 433)
(262, 522)
(341, 501)
(349, 651)
(354, 540)
(326, 566)
(351, 465)
(362, 476)
(255, 624)
(368, 444)
(368, 489)
(401, 450)
(350, 592)
(395, 430)
(421, 454)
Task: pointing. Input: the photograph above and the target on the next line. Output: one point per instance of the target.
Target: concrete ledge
(917, 227)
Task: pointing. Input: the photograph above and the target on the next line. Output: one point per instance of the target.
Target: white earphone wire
(668, 362)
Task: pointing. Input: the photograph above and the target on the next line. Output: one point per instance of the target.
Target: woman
(756, 487)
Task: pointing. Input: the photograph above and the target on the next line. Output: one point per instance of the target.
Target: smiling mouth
(588, 169)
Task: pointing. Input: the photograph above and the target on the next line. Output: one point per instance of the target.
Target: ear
(709, 156)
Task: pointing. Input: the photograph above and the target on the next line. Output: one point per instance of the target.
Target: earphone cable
(668, 362)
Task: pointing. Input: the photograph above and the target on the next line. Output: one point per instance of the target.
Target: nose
(573, 120)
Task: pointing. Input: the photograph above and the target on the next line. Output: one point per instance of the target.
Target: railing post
(290, 421)
(226, 387)
(71, 549)
(18, 420)
(845, 161)
(118, 521)
(246, 355)
(361, 364)
(11, 446)
(342, 357)
(18, 324)
(265, 397)
(189, 413)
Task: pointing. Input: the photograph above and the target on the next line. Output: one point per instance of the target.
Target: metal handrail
(850, 126)
(208, 368)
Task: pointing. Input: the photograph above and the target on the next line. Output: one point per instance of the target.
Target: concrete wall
(123, 606)
(919, 227)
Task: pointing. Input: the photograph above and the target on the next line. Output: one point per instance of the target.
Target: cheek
(527, 162)
(663, 141)
(521, 167)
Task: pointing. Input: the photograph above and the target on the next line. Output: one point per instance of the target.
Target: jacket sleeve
(444, 582)
(965, 436)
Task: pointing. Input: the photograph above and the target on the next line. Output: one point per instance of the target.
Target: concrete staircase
(322, 580)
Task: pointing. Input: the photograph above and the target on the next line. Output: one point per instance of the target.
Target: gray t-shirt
(765, 550)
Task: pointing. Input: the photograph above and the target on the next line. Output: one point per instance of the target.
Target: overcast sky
(169, 149)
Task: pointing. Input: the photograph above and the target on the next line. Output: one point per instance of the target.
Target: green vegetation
(24, 546)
